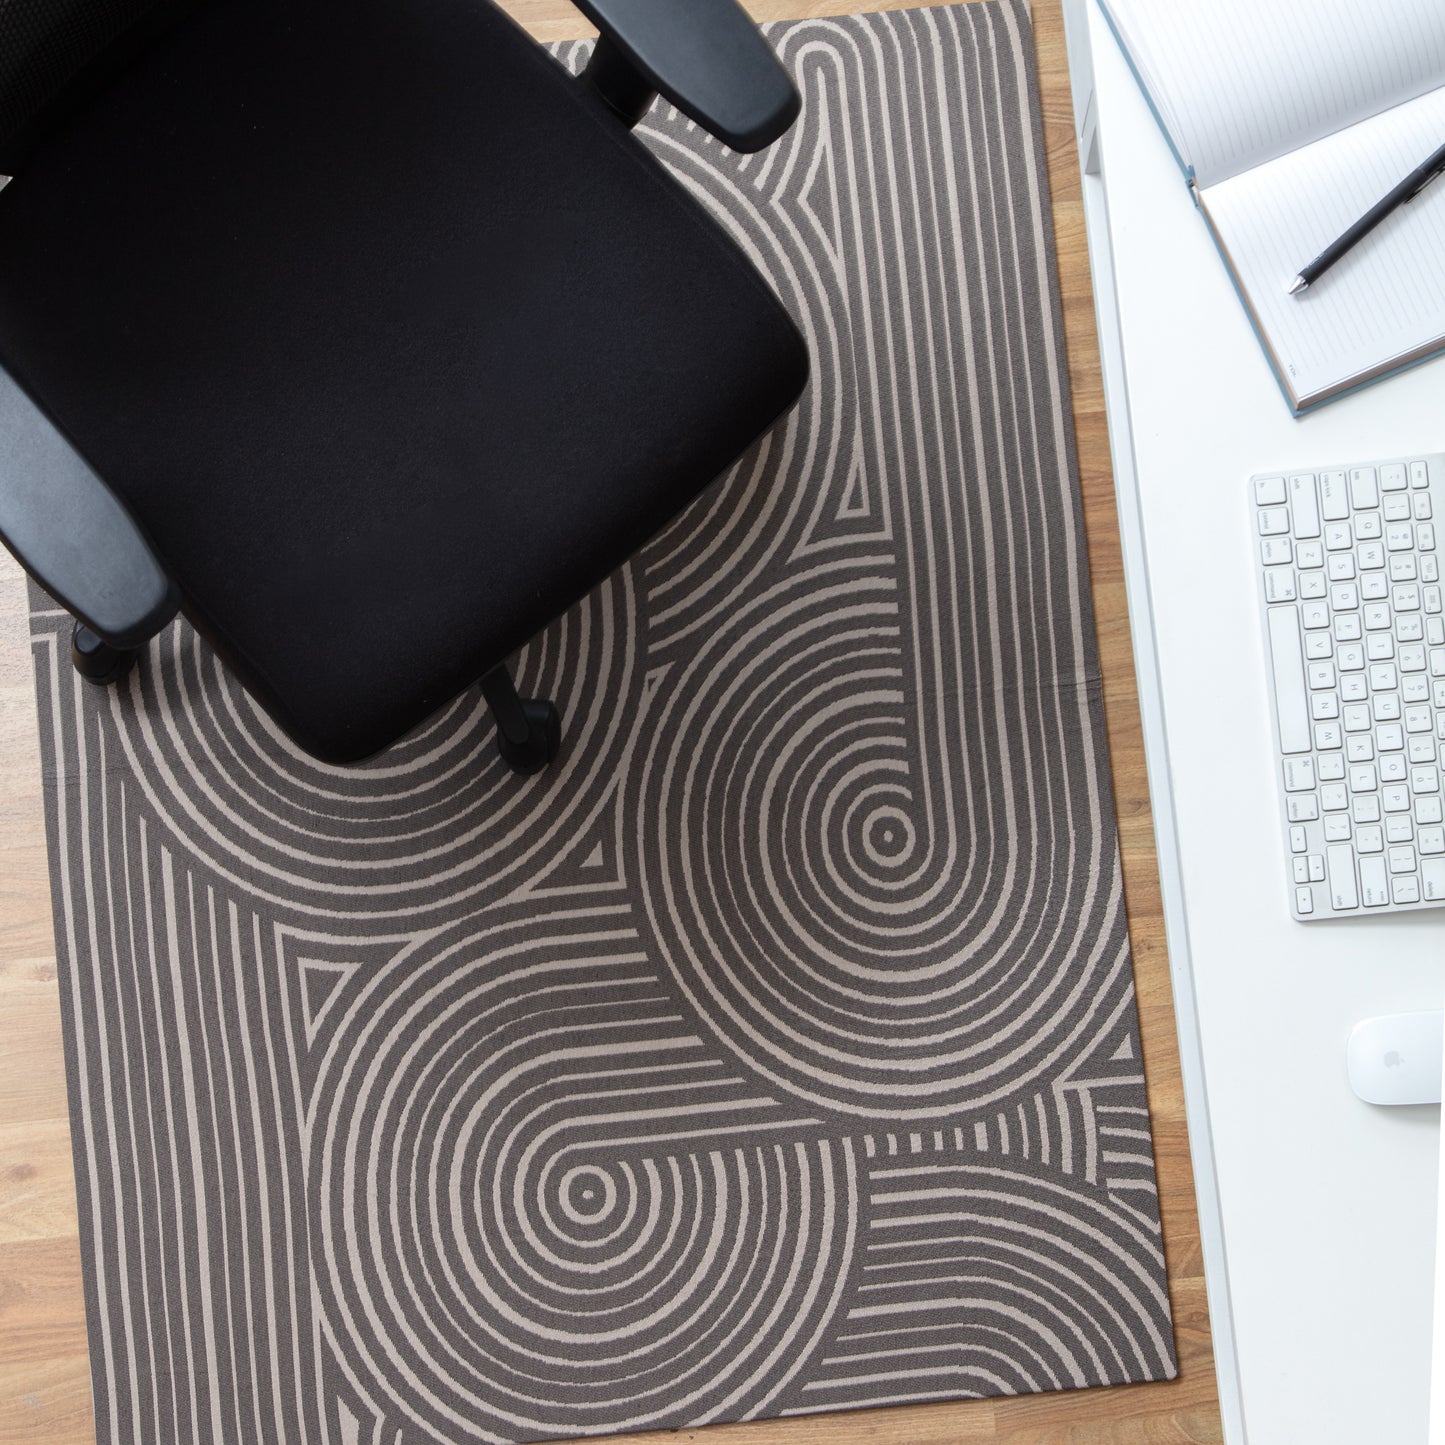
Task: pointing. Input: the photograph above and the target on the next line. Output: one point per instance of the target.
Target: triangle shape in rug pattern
(319, 975)
(590, 863)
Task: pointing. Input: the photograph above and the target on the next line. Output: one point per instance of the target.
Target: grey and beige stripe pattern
(783, 1060)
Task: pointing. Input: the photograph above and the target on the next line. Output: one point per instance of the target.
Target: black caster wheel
(543, 741)
(98, 661)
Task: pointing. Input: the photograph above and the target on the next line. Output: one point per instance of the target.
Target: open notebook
(1291, 118)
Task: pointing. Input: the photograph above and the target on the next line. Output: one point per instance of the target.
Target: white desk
(1318, 1211)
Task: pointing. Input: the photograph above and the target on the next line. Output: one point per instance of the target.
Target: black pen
(1407, 190)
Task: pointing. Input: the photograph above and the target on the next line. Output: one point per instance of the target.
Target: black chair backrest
(53, 52)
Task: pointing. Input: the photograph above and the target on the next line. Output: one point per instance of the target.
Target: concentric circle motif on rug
(780, 1056)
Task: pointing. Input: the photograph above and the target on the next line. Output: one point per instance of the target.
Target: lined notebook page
(1238, 82)
(1386, 299)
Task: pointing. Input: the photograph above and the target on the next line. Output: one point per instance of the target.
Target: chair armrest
(72, 533)
(707, 58)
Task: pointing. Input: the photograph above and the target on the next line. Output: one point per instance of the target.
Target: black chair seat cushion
(394, 341)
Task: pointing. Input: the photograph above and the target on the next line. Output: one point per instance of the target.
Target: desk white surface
(1318, 1211)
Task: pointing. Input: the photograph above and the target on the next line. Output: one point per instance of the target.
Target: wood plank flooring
(44, 1373)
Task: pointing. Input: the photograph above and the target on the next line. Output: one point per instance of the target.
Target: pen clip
(1425, 182)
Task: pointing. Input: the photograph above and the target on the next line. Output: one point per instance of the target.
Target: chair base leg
(96, 661)
(529, 730)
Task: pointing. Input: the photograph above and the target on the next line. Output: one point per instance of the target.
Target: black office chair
(364, 334)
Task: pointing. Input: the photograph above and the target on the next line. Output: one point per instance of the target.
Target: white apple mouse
(1395, 1059)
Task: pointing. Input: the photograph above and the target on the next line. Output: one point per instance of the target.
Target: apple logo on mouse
(1393, 1059)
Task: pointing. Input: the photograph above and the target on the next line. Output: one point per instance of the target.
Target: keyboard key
(1395, 797)
(1357, 720)
(1309, 555)
(1369, 527)
(1422, 506)
(1437, 662)
(1353, 688)
(1341, 565)
(1412, 657)
(1425, 536)
(1402, 860)
(1304, 506)
(1431, 840)
(1385, 706)
(1370, 839)
(1379, 647)
(1399, 828)
(1383, 676)
(1363, 779)
(1405, 598)
(1337, 828)
(1430, 572)
(1340, 861)
(1392, 768)
(1418, 719)
(1291, 709)
(1415, 688)
(1432, 878)
(1274, 551)
(1422, 749)
(1279, 585)
(1334, 496)
(1316, 615)
(1402, 564)
(1393, 477)
(1329, 737)
(1377, 617)
(1299, 775)
(1334, 797)
(1322, 674)
(1370, 557)
(1398, 538)
(1324, 705)
(1374, 587)
(1304, 900)
(1410, 628)
(1297, 840)
(1434, 626)
(1425, 780)
(1374, 885)
(1396, 509)
(1301, 870)
(1405, 889)
(1365, 809)
(1344, 597)
(1312, 585)
(1351, 657)
(1363, 491)
(1390, 738)
(1269, 491)
(1318, 646)
(1428, 811)
(1419, 474)
(1360, 749)
(1337, 535)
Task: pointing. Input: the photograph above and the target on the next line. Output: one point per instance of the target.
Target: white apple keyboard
(1355, 629)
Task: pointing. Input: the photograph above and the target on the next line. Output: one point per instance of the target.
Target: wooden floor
(44, 1374)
